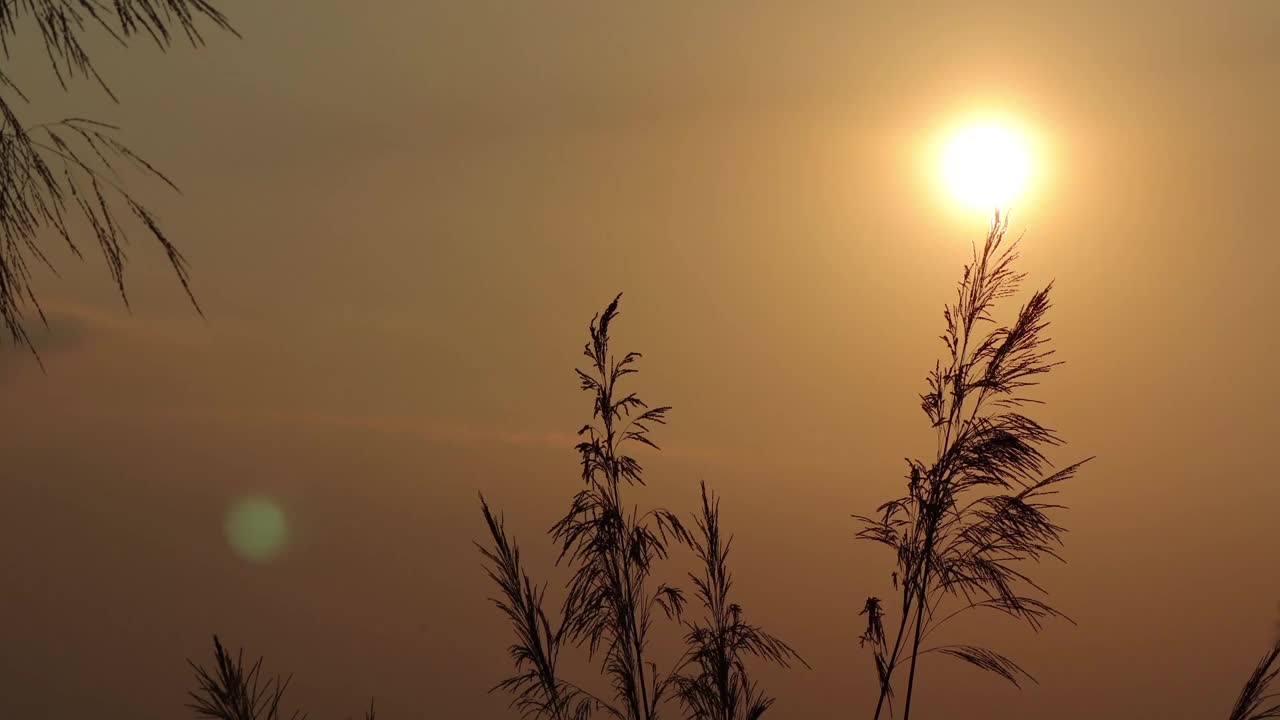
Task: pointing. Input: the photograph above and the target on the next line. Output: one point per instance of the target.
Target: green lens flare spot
(256, 528)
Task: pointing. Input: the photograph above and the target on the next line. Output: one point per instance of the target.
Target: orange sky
(401, 221)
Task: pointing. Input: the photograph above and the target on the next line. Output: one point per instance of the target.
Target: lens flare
(256, 529)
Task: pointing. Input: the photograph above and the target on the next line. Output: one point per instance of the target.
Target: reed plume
(610, 602)
(536, 688)
(230, 691)
(612, 597)
(979, 508)
(1257, 700)
(713, 683)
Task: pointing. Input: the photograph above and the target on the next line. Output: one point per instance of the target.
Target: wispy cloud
(445, 431)
(470, 435)
(453, 432)
(70, 326)
(74, 328)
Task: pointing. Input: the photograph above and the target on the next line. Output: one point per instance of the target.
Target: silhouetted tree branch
(55, 172)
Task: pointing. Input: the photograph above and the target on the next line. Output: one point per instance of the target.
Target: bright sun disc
(985, 166)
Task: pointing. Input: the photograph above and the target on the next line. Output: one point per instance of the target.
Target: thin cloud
(462, 434)
(65, 332)
(438, 430)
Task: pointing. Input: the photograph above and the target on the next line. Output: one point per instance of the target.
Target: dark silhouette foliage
(979, 509)
(536, 688)
(713, 683)
(612, 598)
(1258, 700)
(55, 174)
(610, 602)
(972, 516)
(230, 691)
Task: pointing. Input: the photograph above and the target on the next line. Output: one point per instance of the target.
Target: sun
(986, 165)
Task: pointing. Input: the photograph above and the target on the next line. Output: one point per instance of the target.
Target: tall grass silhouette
(612, 599)
(536, 687)
(1258, 700)
(977, 510)
(231, 691)
(714, 682)
(973, 516)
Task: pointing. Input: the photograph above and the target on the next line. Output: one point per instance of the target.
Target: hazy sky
(401, 216)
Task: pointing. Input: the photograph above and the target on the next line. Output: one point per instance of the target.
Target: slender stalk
(915, 645)
(932, 507)
(892, 661)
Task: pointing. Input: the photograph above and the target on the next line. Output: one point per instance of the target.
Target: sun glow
(986, 165)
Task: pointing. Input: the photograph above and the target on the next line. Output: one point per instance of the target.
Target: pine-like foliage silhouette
(978, 510)
(713, 683)
(230, 691)
(54, 175)
(612, 598)
(1258, 701)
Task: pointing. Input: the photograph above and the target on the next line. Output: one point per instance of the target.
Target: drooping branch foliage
(1259, 700)
(230, 691)
(54, 175)
(612, 598)
(713, 683)
(981, 507)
